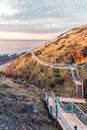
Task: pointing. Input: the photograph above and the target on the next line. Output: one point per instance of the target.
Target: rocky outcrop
(84, 51)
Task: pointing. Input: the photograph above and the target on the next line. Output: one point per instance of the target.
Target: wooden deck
(75, 121)
(67, 120)
(51, 101)
(75, 100)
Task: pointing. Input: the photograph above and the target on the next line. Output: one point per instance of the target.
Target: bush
(38, 52)
(4, 85)
(49, 55)
(60, 81)
(73, 45)
(52, 85)
(59, 48)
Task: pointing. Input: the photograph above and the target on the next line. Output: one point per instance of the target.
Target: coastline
(7, 59)
(5, 65)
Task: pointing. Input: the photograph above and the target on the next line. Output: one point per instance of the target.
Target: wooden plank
(75, 100)
(51, 101)
(75, 121)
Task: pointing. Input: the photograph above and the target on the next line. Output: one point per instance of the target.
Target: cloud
(45, 8)
(49, 25)
(42, 16)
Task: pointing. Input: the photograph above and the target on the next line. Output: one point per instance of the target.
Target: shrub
(4, 85)
(52, 85)
(38, 52)
(29, 54)
(59, 48)
(49, 55)
(70, 60)
(73, 45)
(41, 69)
(60, 81)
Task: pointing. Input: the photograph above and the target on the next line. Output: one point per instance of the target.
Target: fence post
(56, 111)
(51, 110)
(75, 127)
(72, 107)
(47, 98)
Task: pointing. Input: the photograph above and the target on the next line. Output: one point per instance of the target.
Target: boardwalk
(69, 115)
(74, 71)
(75, 100)
(77, 80)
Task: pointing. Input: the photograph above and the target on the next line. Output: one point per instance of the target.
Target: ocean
(18, 46)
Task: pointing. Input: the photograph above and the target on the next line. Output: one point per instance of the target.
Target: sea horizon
(18, 46)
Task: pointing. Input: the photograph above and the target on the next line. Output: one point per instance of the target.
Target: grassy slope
(46, 78)
(22, 108)
(60, 81)
(66, 47)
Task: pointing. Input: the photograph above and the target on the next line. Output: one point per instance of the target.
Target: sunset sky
(40, 19)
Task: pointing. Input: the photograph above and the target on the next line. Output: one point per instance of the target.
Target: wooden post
(72, 107)
(56, 111)
(47, 98)
(75, 127)
(51, 110)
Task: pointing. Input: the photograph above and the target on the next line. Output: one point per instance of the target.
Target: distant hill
(69, 47)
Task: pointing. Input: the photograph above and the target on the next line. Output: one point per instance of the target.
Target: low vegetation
(72, 43)
(25, 82)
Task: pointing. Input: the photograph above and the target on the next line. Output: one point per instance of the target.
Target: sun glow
(26, 36)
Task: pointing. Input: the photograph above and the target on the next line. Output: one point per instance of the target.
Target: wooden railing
(58, 112)
(63, 66)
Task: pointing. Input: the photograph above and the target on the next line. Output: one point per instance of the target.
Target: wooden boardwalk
(74, 71)
(75, 100)
(75, 120)
(77, 80)
(68, 118)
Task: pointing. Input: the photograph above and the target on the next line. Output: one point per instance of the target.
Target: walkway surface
(67, 120)
(67, 117)
(75, 121)
(51, 101)
(75, 100)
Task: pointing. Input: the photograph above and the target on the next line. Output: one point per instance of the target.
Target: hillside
(23, 109)
(69, 47)
(25, 71)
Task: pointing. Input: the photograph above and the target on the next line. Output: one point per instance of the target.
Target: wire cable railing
(59, 111)
(80, 114)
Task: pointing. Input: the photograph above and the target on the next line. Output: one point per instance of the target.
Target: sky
(40, 19)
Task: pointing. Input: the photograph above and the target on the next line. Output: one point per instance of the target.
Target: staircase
(75, 74)
(77, 80)
(68, 115)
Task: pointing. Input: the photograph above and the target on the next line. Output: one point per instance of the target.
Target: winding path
(74, 71)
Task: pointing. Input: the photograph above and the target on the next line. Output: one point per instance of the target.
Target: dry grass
(69, 43)
(21, 106)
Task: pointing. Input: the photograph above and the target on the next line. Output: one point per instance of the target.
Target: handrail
(72, 73)
(79, 109)
(58, 101)
(78, 73)
(59, 113)
(74, 66)
(50, 64)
